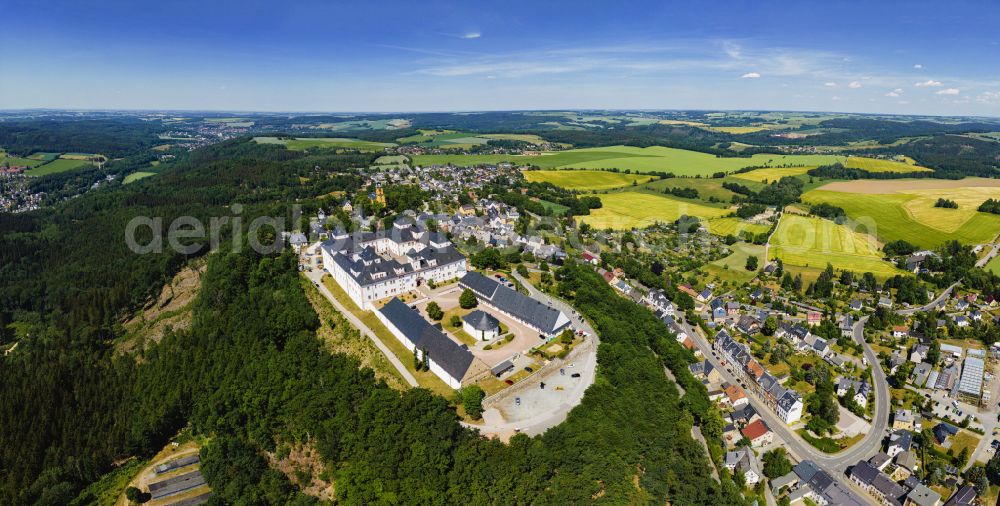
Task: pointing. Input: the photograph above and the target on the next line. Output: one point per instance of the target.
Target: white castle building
(375, 266)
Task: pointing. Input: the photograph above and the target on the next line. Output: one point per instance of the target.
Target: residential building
(922, 496)
(879, 485)
(818, 486)
(903, 419)
(736, 396)
(965, 496)
(899, 441)
(758, 433)
(744, 461)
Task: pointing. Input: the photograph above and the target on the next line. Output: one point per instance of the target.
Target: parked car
(529, 369)
(509, 381)
(575, 375)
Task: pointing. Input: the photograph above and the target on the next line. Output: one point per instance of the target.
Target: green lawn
(585, 180)
(681, 162)
(558, 208)
(56, 166)
(625, 210)
(733, 267)
(910, 214)
(813, 242)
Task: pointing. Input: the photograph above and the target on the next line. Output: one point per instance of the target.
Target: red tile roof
(755, 430)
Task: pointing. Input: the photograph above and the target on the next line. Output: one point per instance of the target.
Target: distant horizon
(478, 111)
(921, 58)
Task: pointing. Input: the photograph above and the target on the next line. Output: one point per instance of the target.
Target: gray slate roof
(513, 302)
(452, 357)
(481, 320)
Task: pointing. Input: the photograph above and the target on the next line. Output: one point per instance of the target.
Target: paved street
(938, 301)
(835, 464)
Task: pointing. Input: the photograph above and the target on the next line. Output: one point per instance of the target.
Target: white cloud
(470, 35)
(989, 97)
(750, 75)
(948, 91)
(830, 85)
(854, 85)
(918, 66)
(929, 82)
(895, 93)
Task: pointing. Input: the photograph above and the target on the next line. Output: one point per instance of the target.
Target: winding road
(835, 463)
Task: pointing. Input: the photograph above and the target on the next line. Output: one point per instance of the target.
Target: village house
(758, 433)
(744, 461)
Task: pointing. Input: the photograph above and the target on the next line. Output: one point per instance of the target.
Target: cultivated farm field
(302, 143)
(905, 210)
(681, 162)
(707, 187)
(811, 242)
(772, 174)
(734, 226)
(877, 165)
(625, 210)
(585, 180)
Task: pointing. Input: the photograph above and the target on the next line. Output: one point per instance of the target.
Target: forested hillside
(250, 373)
(114, 138)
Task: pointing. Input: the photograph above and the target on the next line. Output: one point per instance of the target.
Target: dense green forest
(110, 137)
(250, 373)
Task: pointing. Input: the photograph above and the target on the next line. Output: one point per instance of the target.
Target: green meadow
(56, 166)
(135, 176)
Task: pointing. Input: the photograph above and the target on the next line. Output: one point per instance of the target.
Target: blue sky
(910, 57)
